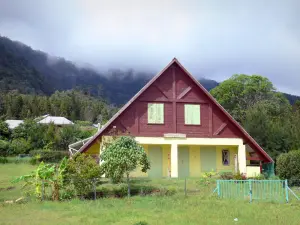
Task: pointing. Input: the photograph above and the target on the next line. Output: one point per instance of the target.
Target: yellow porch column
(242, 159)
(174, 160)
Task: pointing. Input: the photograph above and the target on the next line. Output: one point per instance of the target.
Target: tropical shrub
(82, 173)
(45, 175)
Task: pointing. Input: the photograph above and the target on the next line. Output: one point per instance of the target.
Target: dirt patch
(8, 188)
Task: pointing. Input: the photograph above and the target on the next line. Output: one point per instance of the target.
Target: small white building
(12, 124)
(56, 120)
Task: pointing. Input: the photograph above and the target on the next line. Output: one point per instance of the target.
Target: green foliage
(82, 173)
(226, 176)
(4, 148)
(258, 177)
(47, 155)
(3, 160)
(44, 175)
(239, 176)
(83, 123)
(270, 123)
(209, 174)
(241, 92)
(33, 132)
(4, 131)
(70, 104)
(19, 146)
(288, 166)
(39, 136)
(121, 157)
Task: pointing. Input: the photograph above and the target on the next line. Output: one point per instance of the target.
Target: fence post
(218, 187)
(286, 191)
(250, 190)
(43, 190)
(185, 194)
(94, 187)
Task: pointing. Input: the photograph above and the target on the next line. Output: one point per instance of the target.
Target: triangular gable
(246, 136)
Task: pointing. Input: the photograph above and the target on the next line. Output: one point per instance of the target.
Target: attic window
(192, 114)
(155, 113)
(225, 158)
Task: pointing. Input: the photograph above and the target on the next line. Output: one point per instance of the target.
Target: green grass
(199, 207)
(8, 172)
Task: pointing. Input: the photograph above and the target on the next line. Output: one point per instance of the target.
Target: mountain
(35, 72)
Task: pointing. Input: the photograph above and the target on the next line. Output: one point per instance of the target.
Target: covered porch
(191, 157)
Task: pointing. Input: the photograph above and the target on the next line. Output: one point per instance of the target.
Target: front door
(208, 158)
(155, 157)
(183, 161)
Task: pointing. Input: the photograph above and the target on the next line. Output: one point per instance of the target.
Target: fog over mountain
(212, 38)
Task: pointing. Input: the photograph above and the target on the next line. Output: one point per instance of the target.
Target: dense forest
(72, 104)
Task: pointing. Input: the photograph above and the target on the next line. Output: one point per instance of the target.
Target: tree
(121, 157)
(82, 172)
(4, 131)
(269, 124)
(241, 92)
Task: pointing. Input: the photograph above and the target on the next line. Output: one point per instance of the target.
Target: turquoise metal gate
(269, 190)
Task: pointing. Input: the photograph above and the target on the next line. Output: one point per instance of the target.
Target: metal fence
(269, 190)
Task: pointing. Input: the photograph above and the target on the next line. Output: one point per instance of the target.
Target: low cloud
(212, 38)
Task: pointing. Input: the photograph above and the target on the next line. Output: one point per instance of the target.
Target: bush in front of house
(83, 174)
(288, 166)
(47, 156)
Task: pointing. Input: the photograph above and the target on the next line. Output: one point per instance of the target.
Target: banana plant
(45, 174)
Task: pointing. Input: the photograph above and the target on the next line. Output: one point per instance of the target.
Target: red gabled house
(183, 129)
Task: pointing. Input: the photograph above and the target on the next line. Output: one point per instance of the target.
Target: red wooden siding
(173, 88)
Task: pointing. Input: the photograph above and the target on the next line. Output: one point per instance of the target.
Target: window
(156, 113)
(225, 157)
(192, 114)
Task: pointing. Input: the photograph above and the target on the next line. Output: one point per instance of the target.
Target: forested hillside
(74, 105)
(31, 72)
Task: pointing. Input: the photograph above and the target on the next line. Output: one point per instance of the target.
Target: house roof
(57, 120)
(247, 137)
(12, 124)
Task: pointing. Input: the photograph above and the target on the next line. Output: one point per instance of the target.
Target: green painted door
(183, 161)
(155, 157)
(208, 158)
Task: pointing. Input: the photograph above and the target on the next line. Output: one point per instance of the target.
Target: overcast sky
(212, 38)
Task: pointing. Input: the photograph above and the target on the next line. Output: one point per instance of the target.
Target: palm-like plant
(44, 175)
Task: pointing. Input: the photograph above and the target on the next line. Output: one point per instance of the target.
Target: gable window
(156, 113)
(225, 157)
(192, 114)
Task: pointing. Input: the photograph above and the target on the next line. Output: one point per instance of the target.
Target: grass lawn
(197, 208)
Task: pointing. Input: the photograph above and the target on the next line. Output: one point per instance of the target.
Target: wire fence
(102, 188)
